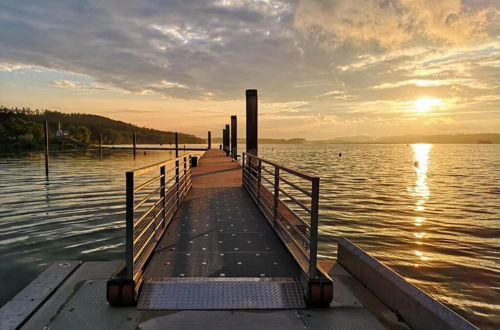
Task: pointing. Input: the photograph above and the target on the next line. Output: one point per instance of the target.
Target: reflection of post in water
(46, 148)
(47, 191)
(421, 191)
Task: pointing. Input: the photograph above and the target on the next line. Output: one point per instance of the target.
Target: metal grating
(222, 293)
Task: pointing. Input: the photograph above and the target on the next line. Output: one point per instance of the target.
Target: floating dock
(220, 264)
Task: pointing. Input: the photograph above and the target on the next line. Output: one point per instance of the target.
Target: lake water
(430, 212)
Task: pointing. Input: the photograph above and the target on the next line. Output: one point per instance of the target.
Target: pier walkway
(218, 251)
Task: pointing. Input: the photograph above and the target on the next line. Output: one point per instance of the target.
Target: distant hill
(407, 139)
(23, 129)
(481, 138)
(268, 141)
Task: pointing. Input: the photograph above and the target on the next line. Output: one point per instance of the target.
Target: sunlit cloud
(322, 68)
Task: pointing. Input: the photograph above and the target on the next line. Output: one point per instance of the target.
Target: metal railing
(150, 206)
(289, 200)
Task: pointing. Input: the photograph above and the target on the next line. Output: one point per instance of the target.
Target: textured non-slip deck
(219, 232)
(222, 293)
(219, 252)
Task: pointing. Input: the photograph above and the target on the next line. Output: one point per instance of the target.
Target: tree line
(23, 128)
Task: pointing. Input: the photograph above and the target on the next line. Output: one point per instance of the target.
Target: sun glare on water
(425, 104)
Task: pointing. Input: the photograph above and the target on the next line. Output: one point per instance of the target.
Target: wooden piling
(234, 138)
(46, 148)
(209, 140)
(252, 127)
(100, 140)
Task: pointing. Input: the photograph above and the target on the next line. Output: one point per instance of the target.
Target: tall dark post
(228, 134)
(47, 149)
(234, 138)
(252, 127)
(223, 138)
(176, 144)
(209, 140)
(134, 141)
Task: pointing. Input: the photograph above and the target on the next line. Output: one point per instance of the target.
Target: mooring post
(234, 138)
(252, 131)
(228, 134)
(176, 144)
(100, 140)
(224, 139)
(209, 140)
(134, 141)
(46, 148)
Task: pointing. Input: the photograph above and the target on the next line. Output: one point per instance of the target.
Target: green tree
(82, 134)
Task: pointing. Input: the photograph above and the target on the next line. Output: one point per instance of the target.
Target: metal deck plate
(219, 232)
(222, 293)
(88, 309)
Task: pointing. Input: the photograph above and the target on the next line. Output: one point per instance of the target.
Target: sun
(425, 104)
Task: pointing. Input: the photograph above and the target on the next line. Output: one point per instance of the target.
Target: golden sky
(323, 68)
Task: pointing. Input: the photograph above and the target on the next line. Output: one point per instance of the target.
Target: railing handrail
(144, 228)
(290, 226)
(148, 168)
(281, 167)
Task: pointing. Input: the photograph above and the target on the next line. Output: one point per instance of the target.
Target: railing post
(259, 179)
(177, 179)
(313, 248)
(243, 173)
(276, 194)
(162, 193)
(129, 229)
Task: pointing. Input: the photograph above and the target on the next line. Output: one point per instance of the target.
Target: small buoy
(340, 154)
(144, 153)
(415, 163)
(30, 155)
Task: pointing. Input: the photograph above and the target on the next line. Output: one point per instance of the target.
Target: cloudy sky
(323, 68)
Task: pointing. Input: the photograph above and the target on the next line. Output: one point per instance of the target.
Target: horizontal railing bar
(267, 171)
(295, 200)
(143, 230)
(286, 169)
(271, 182)
(146, 213)
(304, 253)
(145, 199)
(297, 217)
(148, 168)
(295, 186)
(147, 183)
(295, 230)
